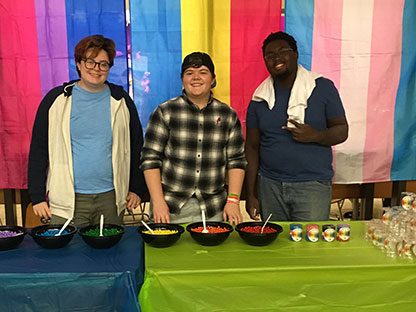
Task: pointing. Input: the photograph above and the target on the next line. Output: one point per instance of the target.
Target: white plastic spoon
(63, 227)
(204, 223)
(267, 220)
(101, 224)
(148, 227)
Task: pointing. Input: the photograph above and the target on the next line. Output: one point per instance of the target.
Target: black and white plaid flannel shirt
(193, 149)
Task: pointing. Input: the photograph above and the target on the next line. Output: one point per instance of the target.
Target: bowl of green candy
(112, 233)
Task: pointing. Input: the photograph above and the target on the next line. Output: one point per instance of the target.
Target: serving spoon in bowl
(63, 227)
(148, 227)
(204, 223)
(264, 225)
(101, 224)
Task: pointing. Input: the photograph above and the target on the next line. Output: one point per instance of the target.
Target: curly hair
(95, 44)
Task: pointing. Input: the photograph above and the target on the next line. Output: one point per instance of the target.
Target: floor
(336, 213)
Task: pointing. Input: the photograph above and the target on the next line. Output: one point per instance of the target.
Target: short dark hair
(280, 35)
(197, 59)
(96, 43)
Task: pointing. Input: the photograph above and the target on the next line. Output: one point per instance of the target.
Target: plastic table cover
(74, 278)
(283, 276)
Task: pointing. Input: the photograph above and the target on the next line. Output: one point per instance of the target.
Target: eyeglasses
(281, 53)
(103, 66)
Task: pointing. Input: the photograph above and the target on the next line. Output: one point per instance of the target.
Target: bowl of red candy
(250, 232)
(218, 232)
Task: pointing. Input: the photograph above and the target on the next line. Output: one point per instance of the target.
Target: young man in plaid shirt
(191, 143)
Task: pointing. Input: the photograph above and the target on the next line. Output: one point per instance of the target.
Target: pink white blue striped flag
(368, 48)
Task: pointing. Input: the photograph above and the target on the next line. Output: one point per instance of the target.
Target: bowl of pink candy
(11, 236)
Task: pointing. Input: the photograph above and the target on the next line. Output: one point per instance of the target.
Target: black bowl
(102, 242)
(52, 242)
(210, 239)
(258, 239)
(7, 243)
(161, 240)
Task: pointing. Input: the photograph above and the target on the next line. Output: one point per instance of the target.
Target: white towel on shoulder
(301, 91)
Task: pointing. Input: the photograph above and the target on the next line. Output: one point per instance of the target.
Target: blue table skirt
(74, 278)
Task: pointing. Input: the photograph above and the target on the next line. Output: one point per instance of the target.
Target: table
(284, 276)
(74, 278)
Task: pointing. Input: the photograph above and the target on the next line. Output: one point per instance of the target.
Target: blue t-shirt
(283, 159)
(91, 141)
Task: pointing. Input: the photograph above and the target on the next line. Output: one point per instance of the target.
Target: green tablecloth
(284, 276)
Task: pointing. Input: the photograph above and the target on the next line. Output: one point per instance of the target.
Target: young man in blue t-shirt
(293, 119)
(86, 144)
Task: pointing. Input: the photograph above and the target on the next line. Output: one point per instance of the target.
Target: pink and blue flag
(368, 49)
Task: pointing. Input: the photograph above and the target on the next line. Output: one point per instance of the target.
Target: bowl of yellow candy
(164, 234)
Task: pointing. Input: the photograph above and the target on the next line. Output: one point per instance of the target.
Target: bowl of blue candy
(11, 236)
(45, 235)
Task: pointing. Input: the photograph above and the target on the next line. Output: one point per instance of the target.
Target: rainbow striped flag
(38, 38)
(368, 48)
(36, 54)
(231, 31)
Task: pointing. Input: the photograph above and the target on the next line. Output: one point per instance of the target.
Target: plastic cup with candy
(391, 244)
(408, 242)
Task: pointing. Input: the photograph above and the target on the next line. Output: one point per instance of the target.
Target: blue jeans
(294, 201)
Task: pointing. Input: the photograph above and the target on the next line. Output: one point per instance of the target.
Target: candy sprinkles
(5, 234)
(257, 229)
(211, 229)
(52, 232)
(106, 232)
(160, 232)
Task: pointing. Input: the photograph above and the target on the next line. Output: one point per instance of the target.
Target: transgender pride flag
(368, 48)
